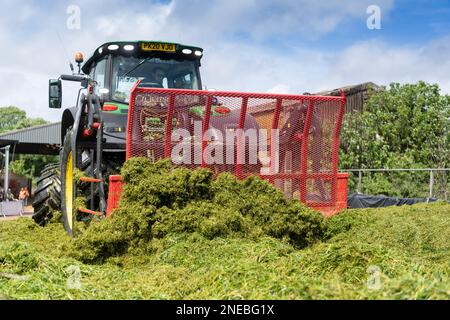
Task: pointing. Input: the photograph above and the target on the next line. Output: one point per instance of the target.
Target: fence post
(6, 178)
(431, 183)
(359, 181)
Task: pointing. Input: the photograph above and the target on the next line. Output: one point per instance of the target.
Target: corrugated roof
(48, 134)
(349, 90)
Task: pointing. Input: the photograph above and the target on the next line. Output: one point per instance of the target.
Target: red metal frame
(134, 91)
(302, 175)
(336, 142)
(206, 127)
(239, 153)
(304, 152)
(210, 94)
(169, 126)
(275, 122)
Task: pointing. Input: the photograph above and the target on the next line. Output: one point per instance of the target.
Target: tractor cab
(117, 66)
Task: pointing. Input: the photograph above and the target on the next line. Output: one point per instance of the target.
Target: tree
(12, 118)
(404, 126)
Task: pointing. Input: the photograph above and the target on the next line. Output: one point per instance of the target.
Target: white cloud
(378, 62)
(280, 88)
(312, 71)
(149, 23)
(32, 52)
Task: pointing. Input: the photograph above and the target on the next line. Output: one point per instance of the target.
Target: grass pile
(161, 200)
(171, 247)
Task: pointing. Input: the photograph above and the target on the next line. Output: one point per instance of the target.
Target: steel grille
(290, 140)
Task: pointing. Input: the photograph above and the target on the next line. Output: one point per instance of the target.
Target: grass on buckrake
(160, 200)
(409, 246)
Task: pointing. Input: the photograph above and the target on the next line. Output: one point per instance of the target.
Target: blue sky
(405, 23)
(250, 45)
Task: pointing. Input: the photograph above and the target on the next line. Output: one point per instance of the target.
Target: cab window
(183, 80)
(153, 73)
(99, 74)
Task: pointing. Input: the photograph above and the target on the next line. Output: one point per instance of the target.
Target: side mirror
(55, 94)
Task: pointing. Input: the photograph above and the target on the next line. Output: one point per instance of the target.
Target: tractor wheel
(67, 183)
(69, 188)
(47, 197)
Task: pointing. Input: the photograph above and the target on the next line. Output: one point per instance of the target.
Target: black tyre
(47, 197)
(68, 188)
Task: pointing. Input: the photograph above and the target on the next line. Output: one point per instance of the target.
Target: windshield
(154, 73)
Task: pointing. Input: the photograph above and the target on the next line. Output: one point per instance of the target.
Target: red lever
(87, 132)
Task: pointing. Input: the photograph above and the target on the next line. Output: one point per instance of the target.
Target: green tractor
(136, 96)
(93, 134)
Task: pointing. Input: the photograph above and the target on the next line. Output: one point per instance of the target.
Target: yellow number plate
(157, 46)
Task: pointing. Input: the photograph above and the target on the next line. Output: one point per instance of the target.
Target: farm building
(356, 95)
(44, 139)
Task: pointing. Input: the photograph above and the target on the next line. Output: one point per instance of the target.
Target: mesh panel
(290, 140)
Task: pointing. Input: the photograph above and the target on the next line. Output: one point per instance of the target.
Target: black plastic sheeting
(356, 201)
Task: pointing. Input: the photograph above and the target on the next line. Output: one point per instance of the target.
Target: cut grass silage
(217, 239)
(159, 200)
